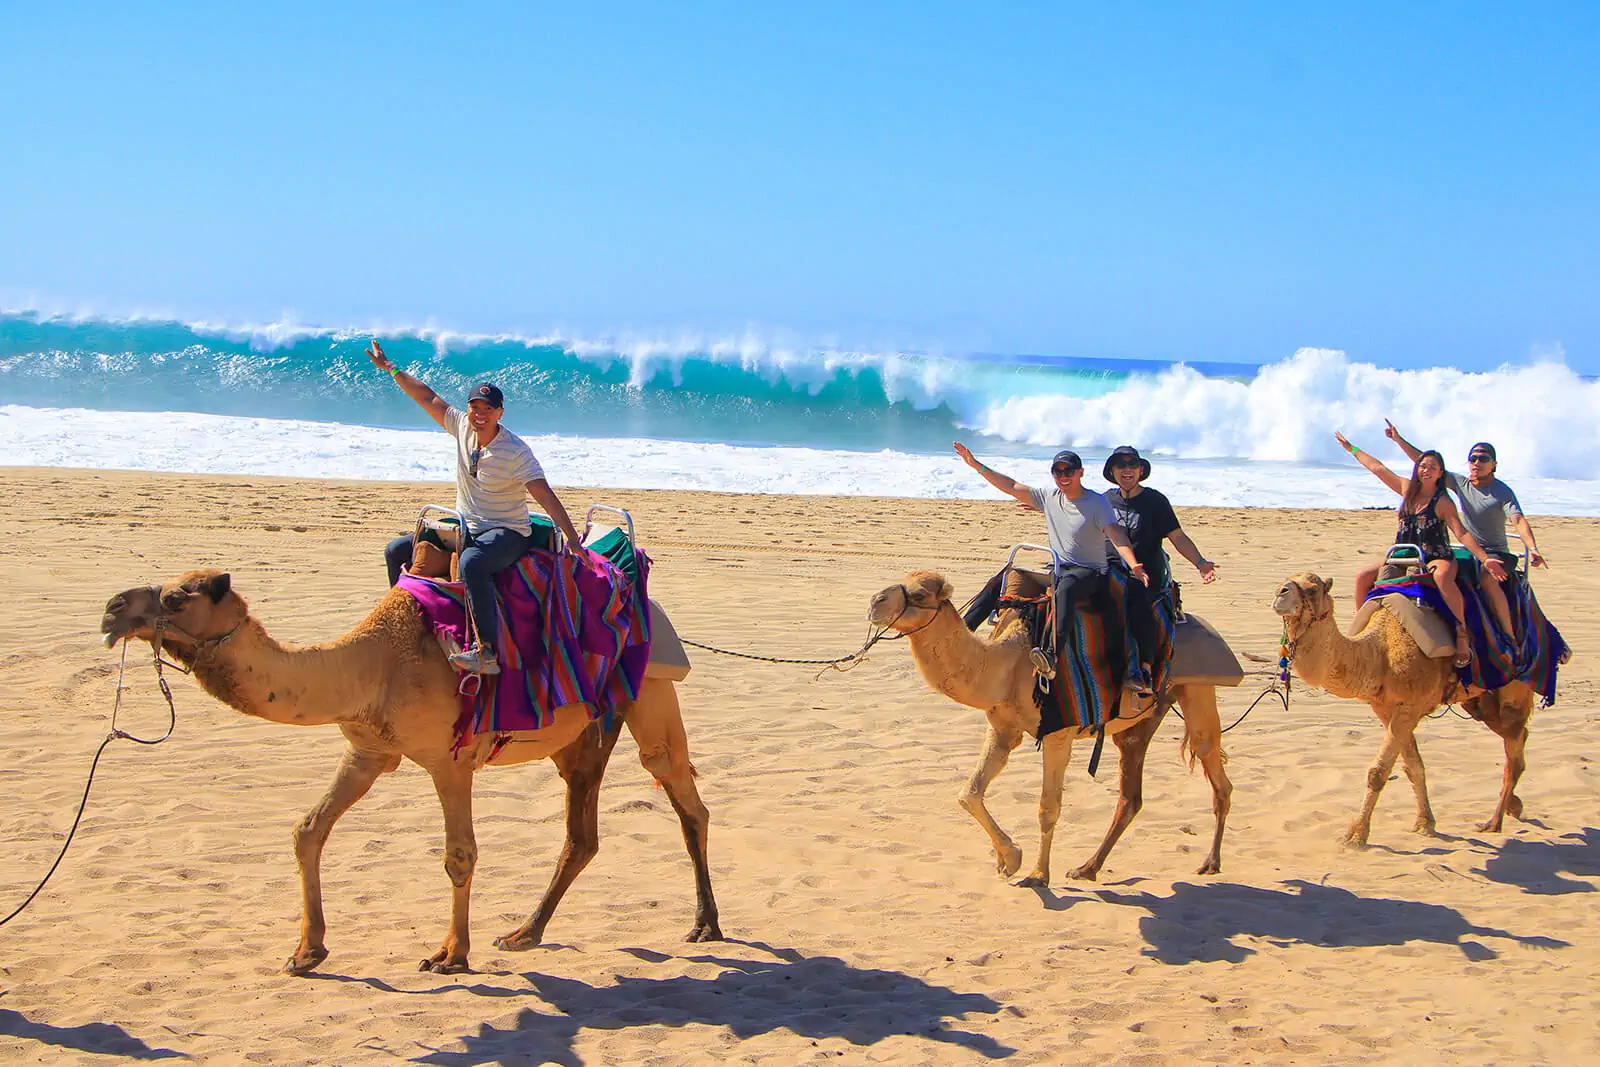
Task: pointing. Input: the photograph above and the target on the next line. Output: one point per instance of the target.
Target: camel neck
(959, 663)
(255, 674)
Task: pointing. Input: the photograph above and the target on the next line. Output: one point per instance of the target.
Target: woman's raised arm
(1385, 475)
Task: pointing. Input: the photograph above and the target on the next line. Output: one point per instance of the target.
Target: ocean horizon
(743, 414)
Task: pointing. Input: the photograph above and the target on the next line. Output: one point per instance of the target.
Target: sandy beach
(865, 920)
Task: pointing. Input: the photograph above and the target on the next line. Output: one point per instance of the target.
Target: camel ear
(216, 588)
(947, 591)
(1327, 585)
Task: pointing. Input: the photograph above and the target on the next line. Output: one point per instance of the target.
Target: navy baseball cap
(1068, 458)
(489, 393)
(1484, 448)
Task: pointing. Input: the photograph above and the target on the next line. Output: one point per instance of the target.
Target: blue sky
(1416, 186)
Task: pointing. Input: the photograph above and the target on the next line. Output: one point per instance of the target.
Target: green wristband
(394, 372)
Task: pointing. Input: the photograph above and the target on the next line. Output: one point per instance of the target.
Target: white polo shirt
(491, 482)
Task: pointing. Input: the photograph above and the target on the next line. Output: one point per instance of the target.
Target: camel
(995, 676)
(1384, 666)
(388, 688)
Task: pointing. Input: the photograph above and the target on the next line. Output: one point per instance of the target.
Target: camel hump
(668, 659)
(1431, 633)
(1201, 657)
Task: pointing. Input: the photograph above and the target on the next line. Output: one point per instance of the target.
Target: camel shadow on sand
(1198, 923)
(1544, 867)
(811, 996)
(105, 1039)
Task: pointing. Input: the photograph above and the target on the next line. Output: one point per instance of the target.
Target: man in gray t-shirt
(1487, 504)
(1079, 523)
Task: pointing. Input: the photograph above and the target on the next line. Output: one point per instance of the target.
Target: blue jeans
(487, 554)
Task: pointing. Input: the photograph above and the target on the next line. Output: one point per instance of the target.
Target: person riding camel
(1148, 518)
(1426, 513)
(495, 474)
(1079, 523)
(1486, 504)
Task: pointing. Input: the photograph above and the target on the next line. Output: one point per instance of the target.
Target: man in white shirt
(1079, 524)
(495, 474)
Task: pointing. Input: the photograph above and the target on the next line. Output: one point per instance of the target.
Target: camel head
(191, 609)
(1304, 598)
(910, 604)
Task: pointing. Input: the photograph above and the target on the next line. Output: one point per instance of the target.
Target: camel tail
(1188, 753)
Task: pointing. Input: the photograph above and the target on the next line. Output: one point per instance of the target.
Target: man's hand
(1208, 572)
(379, 360)
(966, 455)
(1137, 570)
(1536, 558)
(1389, 431)
(1495, 568)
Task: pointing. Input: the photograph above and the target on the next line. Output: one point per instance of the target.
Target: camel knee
(1377, 777)
(459, 860)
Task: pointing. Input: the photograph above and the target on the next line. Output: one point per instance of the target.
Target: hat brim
(1144, 469)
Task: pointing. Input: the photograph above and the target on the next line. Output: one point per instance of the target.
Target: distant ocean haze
(747, 416)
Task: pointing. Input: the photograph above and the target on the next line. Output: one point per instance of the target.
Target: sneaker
(476, 661)
(1041, 664)
(1141, 681)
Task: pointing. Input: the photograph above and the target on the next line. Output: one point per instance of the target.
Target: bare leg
(1366, 578)
(357, 771)
(1377, 777)
(1132, 744)
(1444, 579)
(1203, 738)
(582, 765)
(996, 751)
(656, 723)
(452, 780)
(1496, 596)
(1411, 759)
(1057, 753)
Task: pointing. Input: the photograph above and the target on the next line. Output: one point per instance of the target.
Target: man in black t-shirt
(1147, 516)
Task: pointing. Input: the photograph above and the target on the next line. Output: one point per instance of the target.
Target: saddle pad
(1200, 656)
(1432, 634)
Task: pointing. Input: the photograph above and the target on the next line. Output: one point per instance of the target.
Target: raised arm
(1187, 549)
(1385, 475)
(546, 497)
(1446, 510)
(1003, 482)
(415, 388)
(1413, 453)
(1119, 540)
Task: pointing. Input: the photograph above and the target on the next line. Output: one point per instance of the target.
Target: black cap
(1125, 450)
(1069, 457)
(1482, 446)
(489, 393)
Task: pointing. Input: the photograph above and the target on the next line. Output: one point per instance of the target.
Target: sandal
(1463, 649)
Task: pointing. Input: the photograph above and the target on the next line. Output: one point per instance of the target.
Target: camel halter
(202, 645)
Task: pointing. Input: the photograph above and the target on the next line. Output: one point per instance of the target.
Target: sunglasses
(1480, 458)
(472, 462)
(1062, 472)
(1121, 463)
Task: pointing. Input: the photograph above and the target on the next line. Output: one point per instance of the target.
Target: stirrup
(1041, 664)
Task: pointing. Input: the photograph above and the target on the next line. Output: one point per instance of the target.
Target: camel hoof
(1009, 861)
(443, 966)
(705, 932)
(1493, 826)
(1209, 867)
(1354, 841)
(302, 963)
(1426, 829)
(1085, 873)
(1033, 881)
(516, 941)
(1514, 807)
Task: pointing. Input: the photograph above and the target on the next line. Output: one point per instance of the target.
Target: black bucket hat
(1125, 450)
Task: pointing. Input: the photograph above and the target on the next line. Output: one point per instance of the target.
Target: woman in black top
(1427, 517)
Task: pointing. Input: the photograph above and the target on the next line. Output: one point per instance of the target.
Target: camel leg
(1507, 716)
(1057, 753)
(656, 723)
(1203, 737)
(357, 771)
(997, 748)
(1377, 777)
(1417, 774)
(452, 780)
(582, 765)
(1132, 744)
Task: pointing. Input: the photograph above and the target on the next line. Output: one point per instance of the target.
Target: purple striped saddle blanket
(573, 629)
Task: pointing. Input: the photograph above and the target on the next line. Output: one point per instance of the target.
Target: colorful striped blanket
(573, 629)
(1496, 659)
